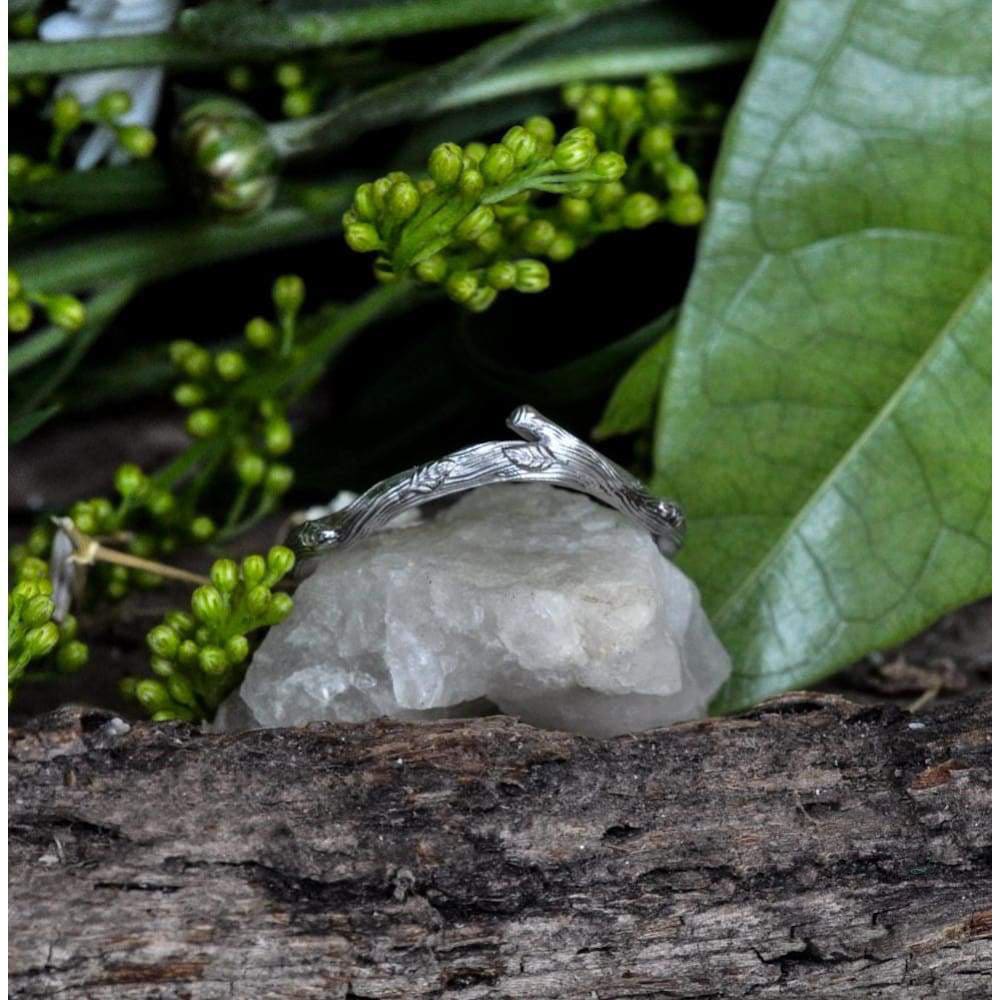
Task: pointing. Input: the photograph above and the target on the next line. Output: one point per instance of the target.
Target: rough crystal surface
(540, 601)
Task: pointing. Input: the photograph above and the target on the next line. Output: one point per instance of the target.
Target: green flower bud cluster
(68, 115)
(227, 157)
(644, 124)
(481, 218)
(302, 83)
(62, 310)
(198, 658)
(32, 635)
(256, 430)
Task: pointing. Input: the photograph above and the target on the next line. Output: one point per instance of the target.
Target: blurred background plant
(297, 219)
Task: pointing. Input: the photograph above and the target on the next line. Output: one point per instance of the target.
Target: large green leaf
(825, 417)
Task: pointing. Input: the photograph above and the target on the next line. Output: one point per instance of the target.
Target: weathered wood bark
(811, 848)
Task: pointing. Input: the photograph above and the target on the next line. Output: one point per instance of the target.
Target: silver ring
(547, 454)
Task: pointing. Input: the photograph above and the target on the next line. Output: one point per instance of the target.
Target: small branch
(90, 551)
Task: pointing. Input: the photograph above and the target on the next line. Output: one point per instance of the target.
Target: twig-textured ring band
(547, 454)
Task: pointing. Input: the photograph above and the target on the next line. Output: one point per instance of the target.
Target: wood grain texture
(811, 848)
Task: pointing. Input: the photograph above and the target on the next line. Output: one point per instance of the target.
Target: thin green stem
(318, 132)
(35, 348)
(157, 252)
(101, 310)
(229, 23)
(28, 58)
(607, 65)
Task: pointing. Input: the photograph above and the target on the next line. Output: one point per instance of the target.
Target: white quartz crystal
(540, 601)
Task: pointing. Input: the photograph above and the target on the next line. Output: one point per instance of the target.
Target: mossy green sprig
(647, 125)
(475, 223)
(198, 657)
(34, 639)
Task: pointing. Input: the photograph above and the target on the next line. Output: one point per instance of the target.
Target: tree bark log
(810, 848)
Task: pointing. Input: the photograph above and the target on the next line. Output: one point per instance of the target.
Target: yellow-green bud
(541, 129)
(474, 152)
(181, 622)
(188, 653)
(203, 423)
(202, 528)
(254, 570)
(532, 276)
(66, 113)
(562, 247)
(260, 333)
(662, 95)
(277, 436)
(237, 649)
(280, 561)
(521, 143)
(136, 140)
(231, 365)
(575, 211)
(623, 104)
(502, 275)
(239, 78)
(475, 224)
(288, 293)
(656, 142)
(572, 155)
(491, 240)
(213, 660)
(686, 209)
(113, 104)
(208, 605)
(225, 575)
(609, 166)
(639, 210)
(197, 362)
(403, 200)
(152, 695)
(188, 394)
(37, 611)
(498, 164)
(278, 479)
(279, 608)
(13, 284)
(160, 503)
(19, 315)
(461, 286)
(72, 657)
(258, 599)
(289, 74)
(131, 481)
(364, 203)
(298, 103)
(482, 300)
(163, 641)
(250, 468)
(591, 114)
(574, 93)
(66, 312)
(433, 270)
(445, 164)
(537, 235)
(681, 179)
(180, 690)
(362, 237)
(471, 183)
(609, 196)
